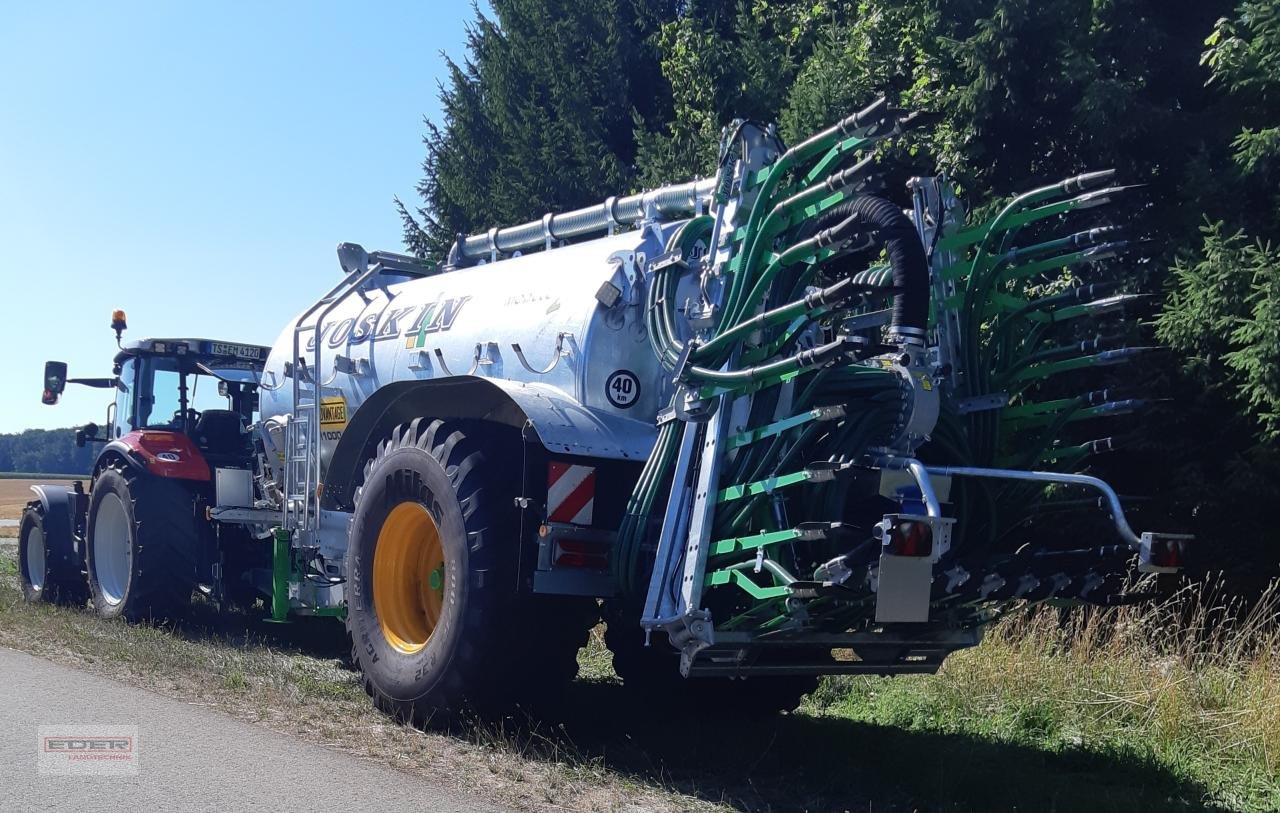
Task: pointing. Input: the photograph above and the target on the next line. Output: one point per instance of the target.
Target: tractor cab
(175, 442)
(195, 394)
(205, 390)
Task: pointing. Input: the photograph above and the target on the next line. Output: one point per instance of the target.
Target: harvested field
(14, 494)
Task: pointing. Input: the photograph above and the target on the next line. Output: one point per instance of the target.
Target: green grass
(1165, 708)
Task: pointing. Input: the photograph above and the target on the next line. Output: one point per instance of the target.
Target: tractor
(139, 541)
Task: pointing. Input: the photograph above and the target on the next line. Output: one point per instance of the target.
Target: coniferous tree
(539, 116)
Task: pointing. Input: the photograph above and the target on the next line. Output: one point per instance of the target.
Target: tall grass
(1191, 685)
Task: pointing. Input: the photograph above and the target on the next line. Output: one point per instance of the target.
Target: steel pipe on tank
(680, 199)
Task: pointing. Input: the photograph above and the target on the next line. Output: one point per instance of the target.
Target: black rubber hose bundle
(895, 232)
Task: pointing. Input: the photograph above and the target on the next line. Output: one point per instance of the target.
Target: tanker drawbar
(772, 424)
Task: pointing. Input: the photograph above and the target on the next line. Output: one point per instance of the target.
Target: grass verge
(1157, 709)
(1186, 694)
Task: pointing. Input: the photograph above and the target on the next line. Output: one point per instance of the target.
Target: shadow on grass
(792, 762)
(800, 762)
(323, 638)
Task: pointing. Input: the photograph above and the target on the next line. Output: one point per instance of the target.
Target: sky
(196, 164)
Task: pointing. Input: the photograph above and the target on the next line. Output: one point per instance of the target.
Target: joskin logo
(419, 320)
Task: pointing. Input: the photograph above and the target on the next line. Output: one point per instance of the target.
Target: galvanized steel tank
(580, 354)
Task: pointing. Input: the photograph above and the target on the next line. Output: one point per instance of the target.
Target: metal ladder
(302, 465)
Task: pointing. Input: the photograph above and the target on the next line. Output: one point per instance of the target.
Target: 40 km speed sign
(622, 389)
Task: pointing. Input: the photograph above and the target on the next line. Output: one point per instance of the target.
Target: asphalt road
(190, 757)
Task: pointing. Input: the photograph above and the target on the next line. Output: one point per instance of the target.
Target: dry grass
(1159, 709)
(1191, 686)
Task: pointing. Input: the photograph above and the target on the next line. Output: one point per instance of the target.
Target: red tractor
(139, 541)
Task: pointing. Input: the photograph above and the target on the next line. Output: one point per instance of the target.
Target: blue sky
(196, 164)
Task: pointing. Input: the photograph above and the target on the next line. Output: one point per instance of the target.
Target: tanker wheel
(652, 675)
(47, 574)
(436, 624)
(142, 542)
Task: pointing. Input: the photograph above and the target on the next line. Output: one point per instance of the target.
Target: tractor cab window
(171, 394)
(158, 406)
(203, 393)
(123, 418)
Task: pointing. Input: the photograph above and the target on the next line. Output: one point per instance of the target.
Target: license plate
(242, 351)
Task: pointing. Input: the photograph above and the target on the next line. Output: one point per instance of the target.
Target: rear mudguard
(63, 511)
(541, 414)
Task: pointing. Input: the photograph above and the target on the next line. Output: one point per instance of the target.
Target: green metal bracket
(778, 427)
(841, 148)
(738, 544)
(329, 612)
(1037, 371)
(281, 569)
(738, 577)
(978, 233)
(764, 486)
(1041, 266)
(1037, 408)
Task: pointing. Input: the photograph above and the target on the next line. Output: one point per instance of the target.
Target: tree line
(45, 451)
(558, 104)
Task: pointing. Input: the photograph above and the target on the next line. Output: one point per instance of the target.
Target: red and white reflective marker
(571, 493)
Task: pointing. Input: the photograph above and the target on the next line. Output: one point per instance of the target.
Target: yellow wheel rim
(408, 577)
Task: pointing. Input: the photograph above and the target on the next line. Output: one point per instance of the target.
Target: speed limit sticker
(622, 388)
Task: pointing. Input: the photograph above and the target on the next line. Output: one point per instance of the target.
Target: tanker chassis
(770, 425)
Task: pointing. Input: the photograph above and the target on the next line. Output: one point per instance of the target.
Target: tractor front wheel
(47, 572)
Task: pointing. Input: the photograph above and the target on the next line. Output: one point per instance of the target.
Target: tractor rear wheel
(47, 573)
(142, 543)
(436, 623)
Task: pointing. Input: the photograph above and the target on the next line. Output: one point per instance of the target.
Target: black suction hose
(901, 241)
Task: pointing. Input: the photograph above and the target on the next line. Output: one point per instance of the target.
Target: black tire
(489, 648)
(652, 675)
(53, 573)
(162, 538)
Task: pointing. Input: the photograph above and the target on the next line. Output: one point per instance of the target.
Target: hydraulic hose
(805, 358)
(810, 303)
(901, 242)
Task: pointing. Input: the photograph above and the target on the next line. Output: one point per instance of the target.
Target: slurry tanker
(772, 424)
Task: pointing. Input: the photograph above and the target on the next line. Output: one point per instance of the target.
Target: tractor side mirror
(87, 433)
(55, 381)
